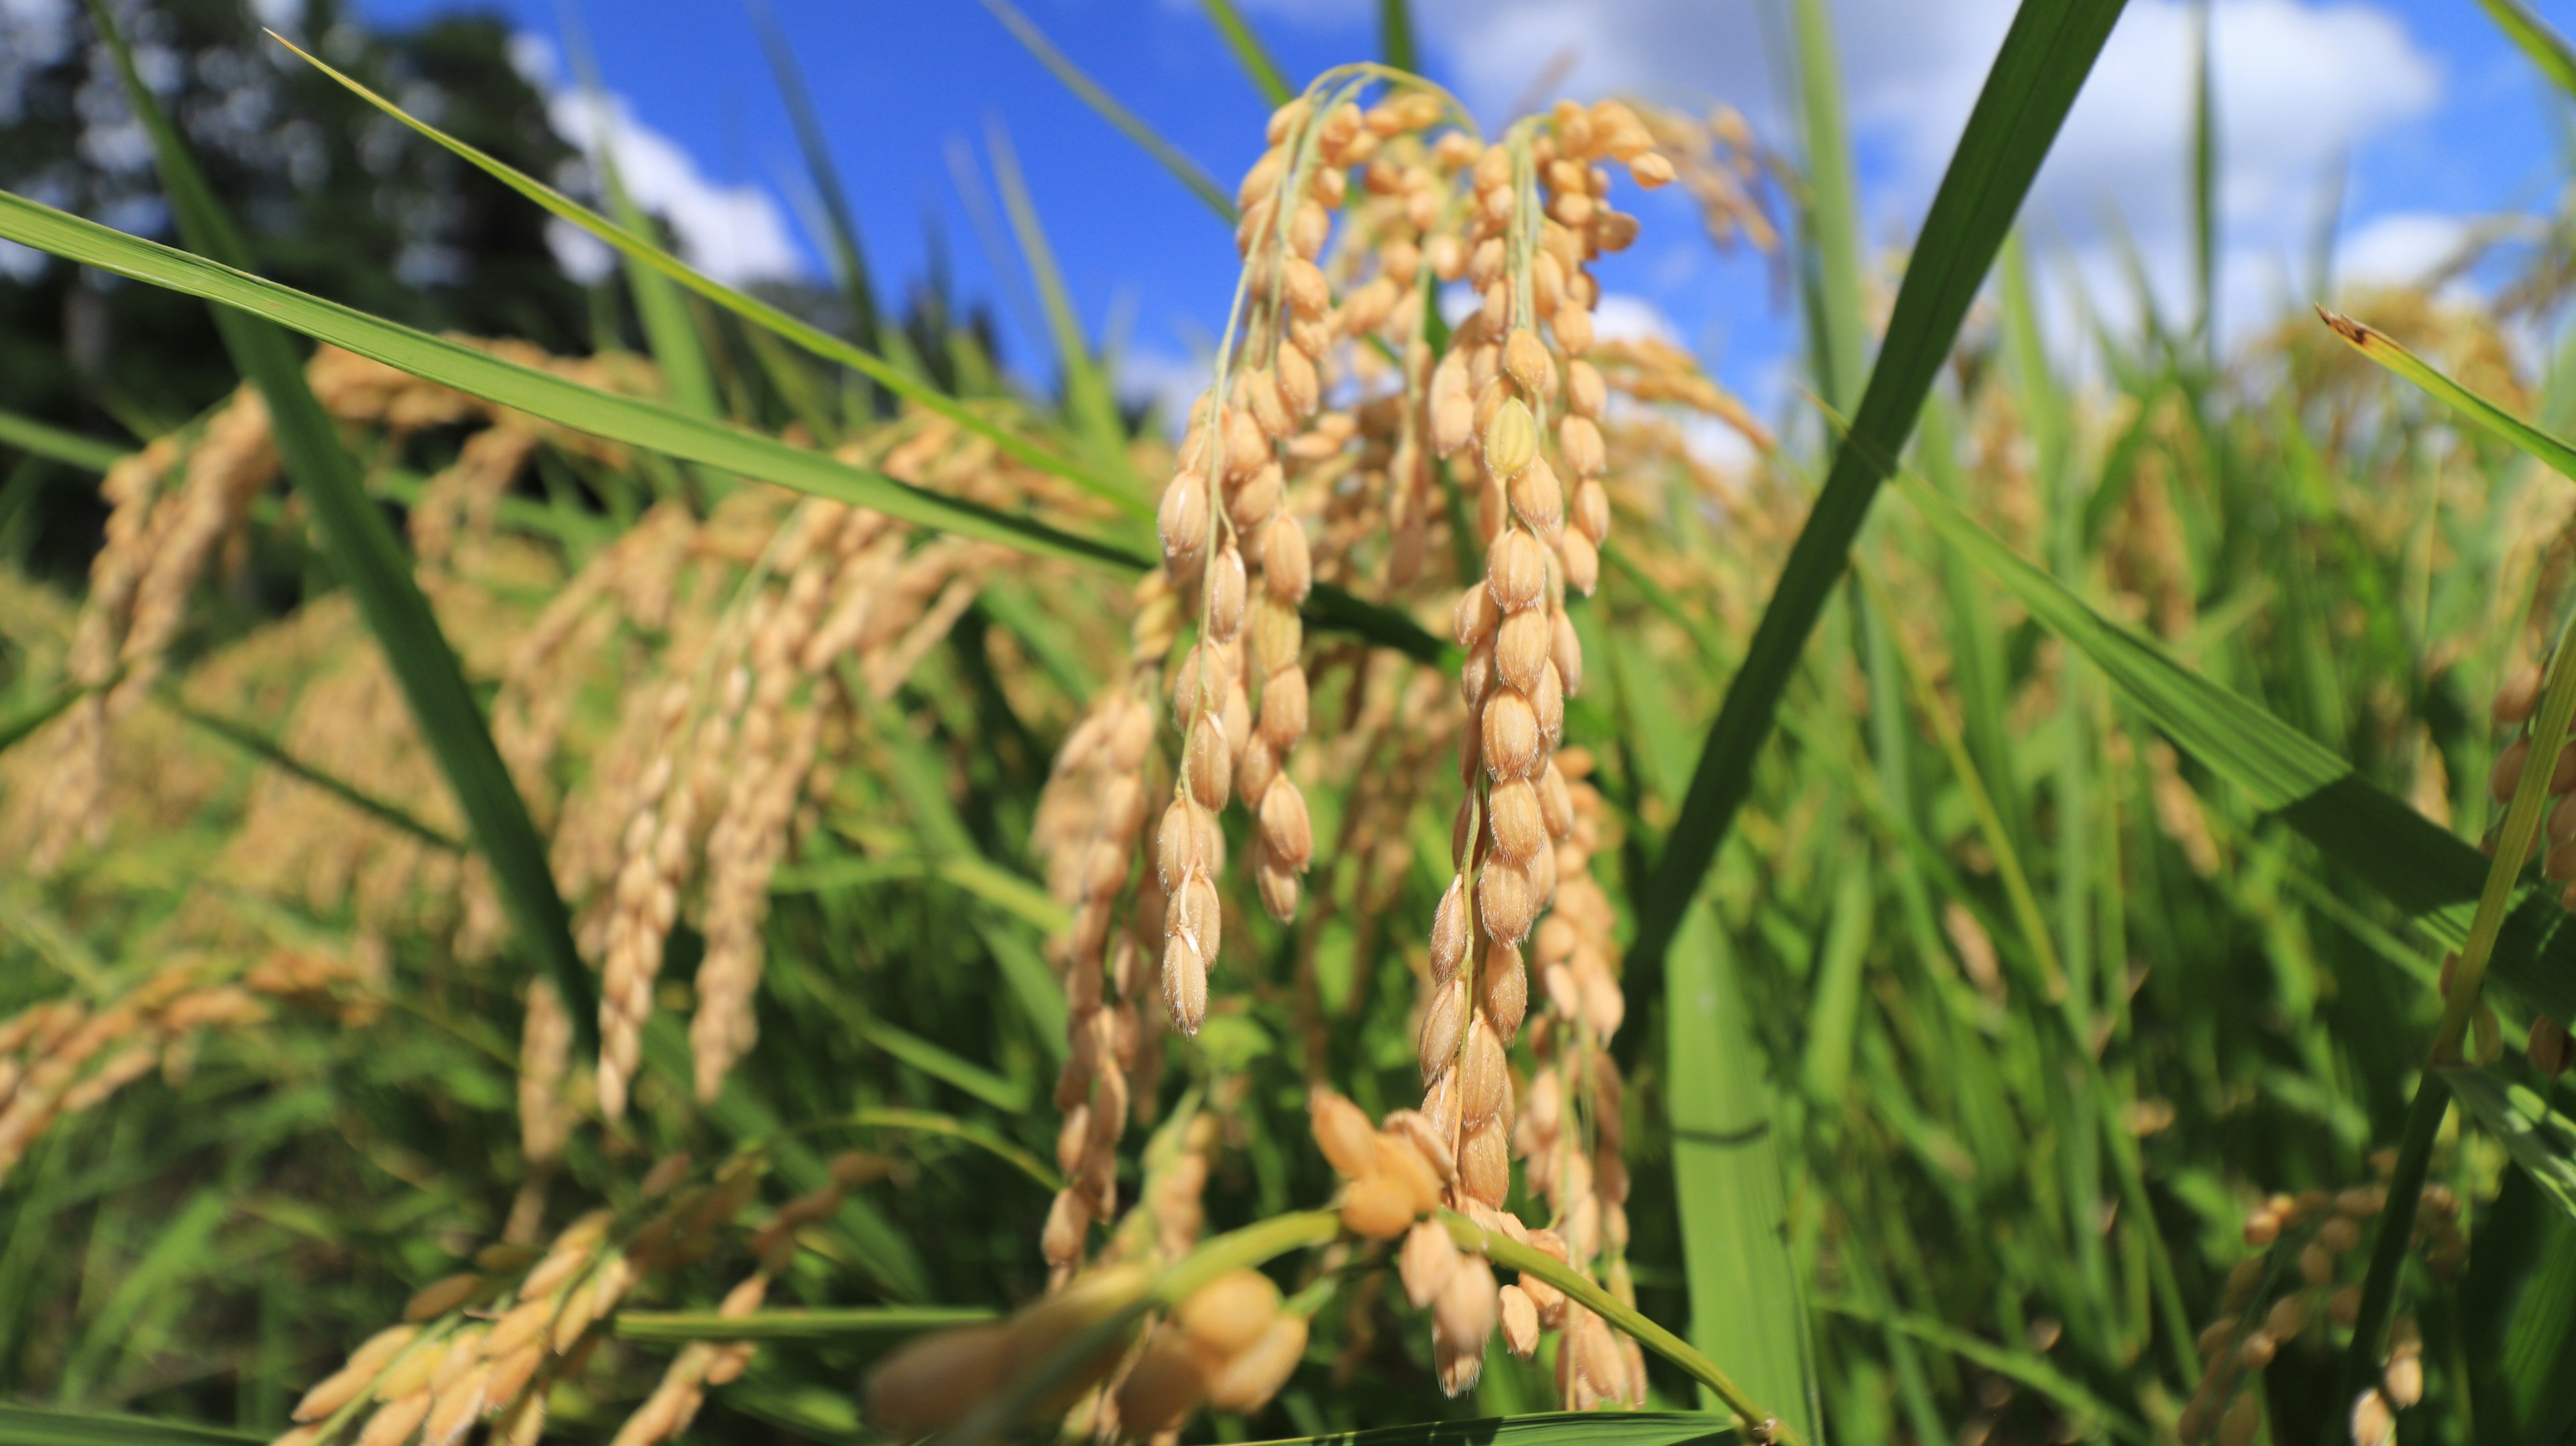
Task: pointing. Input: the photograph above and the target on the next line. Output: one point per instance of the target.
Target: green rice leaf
(2540, 1139)
(37, 714)
(41, 439)
(750, 308)
(1395, 36)
(2380, 347)
(370, 560)
(1264, 72)
(632, 420)
(2547, 48)
(250, 740)
(2030, 1370)
(2424, 871)
(852, 1323)
(1748, 1303)
(1550, 1428)
(849, 257)
(2045, 58)
(1127, 122)
(42, 1426)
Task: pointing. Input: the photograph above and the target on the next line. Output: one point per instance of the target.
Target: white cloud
(1621, 316)
(733, 233)
(2403, 248)
(1162, 380)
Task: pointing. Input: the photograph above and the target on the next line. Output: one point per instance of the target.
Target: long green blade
(1555, 1428)
(1730, 1185)
(631, 420)
(849, 257)
(1248, 50)
(2547, 48)
(259, 745)
(2380, 347)
(760, 313)
(1128, 123)
(2540, 1139)
(854, 1323)
(374, 566)
(37, 1426)
(1395, 35)
(42, 439)
(2045, 58)
(2421, 869)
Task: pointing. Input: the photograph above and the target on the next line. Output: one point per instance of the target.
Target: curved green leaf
(2423, 870)
(2045, 58)
(1550, 1428)
(38, 1426)
(750, 308)
(370, 560)
(1129, 124)
(631, 420)
(2382, 348)
(854, 1323)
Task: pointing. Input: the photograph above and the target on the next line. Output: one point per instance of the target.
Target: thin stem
(1530, 1260)
(2424, 1115)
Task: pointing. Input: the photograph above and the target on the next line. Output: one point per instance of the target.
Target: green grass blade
(2513, 843)
(37, 714)
(2522, 1320)
(2045, 58)
(1832, 210)
(1086, 387)
(259, 745)
(1263, 71)
(1747, 1300)
(2424, 871)
(40, 439)
(849, 256)
(676, 1327)
(2540, 1139)
(1395, 45)
(1553, 1428)
(881, 1250)
(942, 1065)
(632, 420)
(37, 1426)
(1184, 170)
(2204, 176)
(374, 566)
(931, 1122)
(2032, 1371)
(2547, 48)
(2377, 345)
(754, 310)
(669, 332)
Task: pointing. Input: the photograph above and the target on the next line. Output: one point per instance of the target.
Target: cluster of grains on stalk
(1571, 1134)
(2515, 700)
(835, 611)
(492, 1343)
(182, 504)
(1538, 220)
(1231, 543)
(67, 1056)
(1089, 824)
(2291, 1285)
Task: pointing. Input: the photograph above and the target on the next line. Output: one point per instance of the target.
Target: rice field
(771, 881)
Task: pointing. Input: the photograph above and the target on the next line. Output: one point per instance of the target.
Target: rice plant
(785, 883)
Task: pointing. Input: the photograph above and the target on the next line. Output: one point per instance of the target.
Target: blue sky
(2438, 120)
